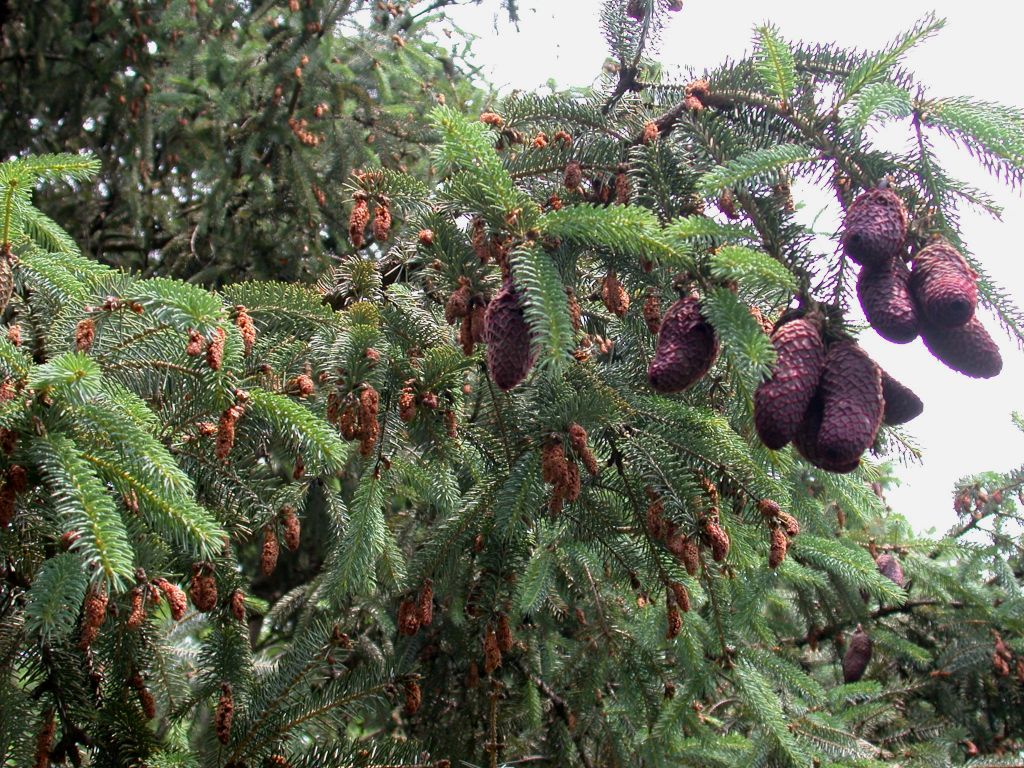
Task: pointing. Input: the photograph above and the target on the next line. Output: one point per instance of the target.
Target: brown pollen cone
(225, 714)
(137, 609)
(718, 539)
(504, 633)
(884, 294)
(492, 651)
(852, 405)
(425, 604)
(781, 402)
(968, 349)
(413, 697)
(85, 332)
(901, 404)
(175, 597)
(457, 305)
(246, 327)
(573, 176)
(270, 551)
(215, 349)
(292, 527)
(682, 597)
(382, 222)
(408, 617)
(44, 740)
(238, 605)
(652, 312)
(674, 619)
(943, 286)
(687, 348)
(509, 357)
(779, 545)
(875, 227)
(578, 439)
(614, 295)
(358, 220)
(203, 590)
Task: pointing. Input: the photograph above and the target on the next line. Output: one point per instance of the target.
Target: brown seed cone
(238, 605)
(901, 404)
(292, 528)
(458, 303)
(779, 545)
(573, 176)
(781, 402)
(578, 439)
(719, 541)
(196, 343)
(943, 286)
(407, 405)
(790, 525)
(85, 333)
(652, 312)
(675, 620)
(884, 295)
(357, 222)
(215, 349)
(857, 656)
(504, 632)
(852, 405)
(968, 349)
(270, 551)
(202, 591)
(806, 442)
(614, 295)
(890, 567)
(687, 348)
(574, 308)
(466, 340)
(413, 697)
(492, 651)
(425, 604)
(225, 714)
(509, 357)
(246, 327)
(682, 597)
(382, 222)
(44, 740)
(875, 227)
(408, 617)
(137, 610)
(553, 464)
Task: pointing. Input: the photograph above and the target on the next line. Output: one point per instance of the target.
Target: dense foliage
(442, 510)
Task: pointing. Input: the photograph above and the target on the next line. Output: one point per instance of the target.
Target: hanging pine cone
(226, 431)
(578, 439)
(215, 349)
(203, 588)
(574, 308)
(875, 227)
(382, 221)
(44, 740)
(509, 357)
(968, 349)
(943, 286)
(146, 700)
(238, 605)
(687, 348)
(94, 612)
(789, 524)
(652, 312)
(413, 697)
(681, 596)
(292, 527)
(85, 333)
(492, 651)
(781, 402)
(890, 567)
(137, 609)
(408, 617)
(884, 294)
(687, 551)
(225, 714)
(857, 657)
(779, 545)
(614, 295)
(457, 305)
(425, 604)
(407, 404)
(504, 633)
(358, 220)
(573, 176)
(269, 551)
(718, 539)
(369, 429)
(806, 441)
(851, 394)
(901, 404)
(674, 619)
(246, 327)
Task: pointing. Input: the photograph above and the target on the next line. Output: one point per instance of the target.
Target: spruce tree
(533, 512)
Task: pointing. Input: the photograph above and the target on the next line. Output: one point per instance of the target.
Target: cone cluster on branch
(935, 298)
(686, 350)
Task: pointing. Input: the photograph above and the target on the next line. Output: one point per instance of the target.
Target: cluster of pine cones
(934, 299)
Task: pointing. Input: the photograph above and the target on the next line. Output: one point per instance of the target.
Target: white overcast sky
(966, 424)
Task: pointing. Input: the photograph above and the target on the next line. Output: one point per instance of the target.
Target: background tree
(222, 123)
(538, 523)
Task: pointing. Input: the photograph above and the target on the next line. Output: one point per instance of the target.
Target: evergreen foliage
(578, 571)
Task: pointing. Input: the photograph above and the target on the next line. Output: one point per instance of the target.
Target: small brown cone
(504, 634)
(492, 651)
(578, 439)
(682, 597)
(413, 697)
(382, 221)
(718, 539)
(857, 656)
(652, 313)
(247, 328)
(425, 604)
(269, 551)
(890, 567)
(292, 528)
(408, 618)
(215, 349)
(573, 176)
(6, 276)
(225, 714)
(137, 609)
(675, 620)
(226, 432)
(175, 597)
(203, 590)
(779, 545)
(614, 295)
(358, 220)
(238, 605)
(85, 333)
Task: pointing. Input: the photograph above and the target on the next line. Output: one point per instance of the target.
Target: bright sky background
(966, 424)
